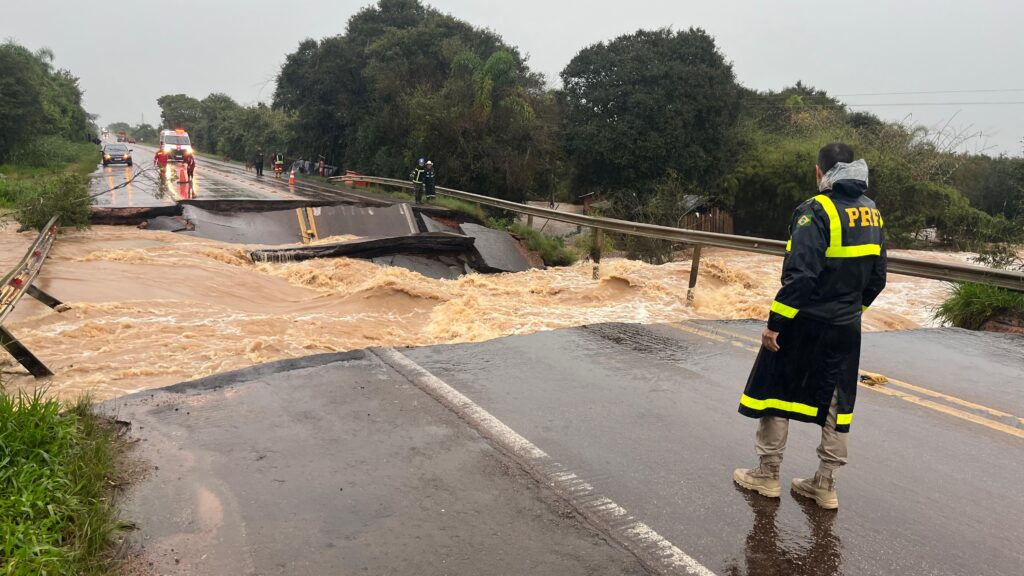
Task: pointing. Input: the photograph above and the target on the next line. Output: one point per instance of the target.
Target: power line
(1010, 103)
(982, 91)
(868, 105)
(995, 90)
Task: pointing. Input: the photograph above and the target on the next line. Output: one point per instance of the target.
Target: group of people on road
(278, 163)
(160, 160)
(423, 177)
(301, 165)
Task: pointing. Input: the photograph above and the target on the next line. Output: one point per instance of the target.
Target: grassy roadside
(58, 466)
(552, 250)
(49, 176)
(971, 305)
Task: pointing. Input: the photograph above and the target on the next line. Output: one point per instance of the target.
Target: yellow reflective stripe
(782, 309)
(853, 251)
(795, 407)
(789, 245)
(863, 308)
(844, 419)
(835, 225)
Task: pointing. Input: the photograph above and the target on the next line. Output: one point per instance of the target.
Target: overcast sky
(974, 49)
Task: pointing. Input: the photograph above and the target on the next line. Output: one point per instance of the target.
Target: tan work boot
(764, 479)
(821, 489)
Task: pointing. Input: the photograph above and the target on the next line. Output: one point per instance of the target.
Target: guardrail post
(529, 220)
(27, 359)
(595, 251)
(694, 269)
(47, 299)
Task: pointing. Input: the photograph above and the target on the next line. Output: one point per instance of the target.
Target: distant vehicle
(131, 140)
(122, 136)
(116, 154)
(176, 144)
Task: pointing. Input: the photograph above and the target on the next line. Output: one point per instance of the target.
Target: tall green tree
(405, 81)
(179, 111)
(648, 103)
(37, 100)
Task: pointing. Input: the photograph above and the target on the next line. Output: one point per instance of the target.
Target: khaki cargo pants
(773, 431)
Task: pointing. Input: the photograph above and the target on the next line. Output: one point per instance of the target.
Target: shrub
(971, 305)
(584, 244)
(65, 194)
(552, 250)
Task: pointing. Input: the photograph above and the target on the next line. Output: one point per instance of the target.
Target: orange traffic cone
(291, 178)
(182, 177)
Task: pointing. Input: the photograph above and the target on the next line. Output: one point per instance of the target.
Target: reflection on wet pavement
(144, 185)
(772, 551)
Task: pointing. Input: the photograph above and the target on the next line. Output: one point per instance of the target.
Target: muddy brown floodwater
(155, 308)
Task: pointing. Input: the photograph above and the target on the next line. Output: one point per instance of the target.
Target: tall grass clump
(50, 153)
(971, 305)
(56, 517)
(551, 249)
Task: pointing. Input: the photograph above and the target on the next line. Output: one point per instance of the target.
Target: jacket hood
(850, 179)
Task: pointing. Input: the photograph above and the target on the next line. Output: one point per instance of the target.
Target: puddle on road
(156, 308)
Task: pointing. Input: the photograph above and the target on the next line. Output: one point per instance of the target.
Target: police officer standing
(807, 368)
(257, 162)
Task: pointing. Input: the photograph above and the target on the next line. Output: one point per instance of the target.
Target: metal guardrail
(16, 284)
(943, 271)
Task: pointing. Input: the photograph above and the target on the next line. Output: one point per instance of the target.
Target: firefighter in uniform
(807, 368)
(416, 176)
(429, 179)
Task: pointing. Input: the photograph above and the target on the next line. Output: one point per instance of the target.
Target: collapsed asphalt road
(634, 426)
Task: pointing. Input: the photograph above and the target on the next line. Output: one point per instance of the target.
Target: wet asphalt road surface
(647, 414)
(336, 464)
(142, 185)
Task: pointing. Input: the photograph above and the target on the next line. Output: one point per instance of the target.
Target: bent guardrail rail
(943, 271)
(16, 284)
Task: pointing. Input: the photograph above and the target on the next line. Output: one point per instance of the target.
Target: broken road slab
(498, 250)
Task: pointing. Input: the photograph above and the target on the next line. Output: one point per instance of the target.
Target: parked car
(116, 153)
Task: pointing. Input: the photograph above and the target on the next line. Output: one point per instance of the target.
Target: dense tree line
(649, 120)
(37, 101)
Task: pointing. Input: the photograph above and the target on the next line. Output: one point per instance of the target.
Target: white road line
(652, 550)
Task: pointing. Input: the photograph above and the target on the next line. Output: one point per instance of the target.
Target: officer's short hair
(834, 153)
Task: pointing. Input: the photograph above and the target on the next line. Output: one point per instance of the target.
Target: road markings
(716, 334)
(311, 217)
(652, 550)
(893, 381)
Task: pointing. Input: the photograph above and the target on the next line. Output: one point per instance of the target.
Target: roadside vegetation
(45, 140)
(59, 464)
(404, 81)
(551, 249)
(972, 305)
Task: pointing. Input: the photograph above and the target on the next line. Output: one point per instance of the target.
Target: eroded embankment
(154, 308)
